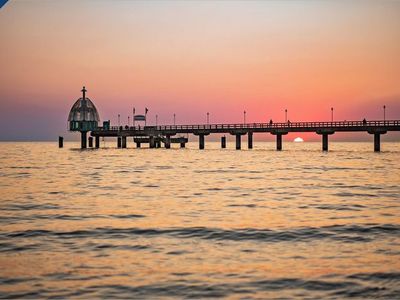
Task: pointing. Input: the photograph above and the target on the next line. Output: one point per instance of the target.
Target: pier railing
(336, 124)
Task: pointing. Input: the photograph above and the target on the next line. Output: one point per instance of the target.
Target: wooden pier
(166, 133)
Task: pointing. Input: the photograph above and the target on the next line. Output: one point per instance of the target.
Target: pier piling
(223, 142)
(97, 141)
(279, 142)
(138, 145)
(83, 139)
(250, 140)
(119, 142)
(325, 142)
(377, 142)
(152, 143)
(238, 141)
(167, 142)
(123, 141)
(90, 142)
(60, 142)
(201, 141)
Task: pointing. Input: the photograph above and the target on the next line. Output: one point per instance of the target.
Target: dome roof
(83, 110)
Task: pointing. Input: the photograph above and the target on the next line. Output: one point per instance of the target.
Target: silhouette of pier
(166, 133)
(84, 118)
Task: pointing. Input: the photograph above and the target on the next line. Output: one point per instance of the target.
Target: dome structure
(83, 115)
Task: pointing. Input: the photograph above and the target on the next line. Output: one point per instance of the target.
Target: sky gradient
(190, 58)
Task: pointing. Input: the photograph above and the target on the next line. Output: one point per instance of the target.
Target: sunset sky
(194, 57)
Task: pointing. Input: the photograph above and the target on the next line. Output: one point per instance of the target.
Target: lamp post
(285, 115)
(384, 113)
(156, 120)
(119, 120)
(244, 117)
(174, 119)
(331, 114)
(208, 118)
(129, 123)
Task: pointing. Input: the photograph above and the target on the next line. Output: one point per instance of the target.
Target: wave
(342, 233)
(190, 288)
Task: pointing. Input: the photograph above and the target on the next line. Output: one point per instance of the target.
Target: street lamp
(156, 120)
(208, 118)
(384, 113)
(285, 115)
(174, 119)
(119, 120)
(129, 123)
(331, 114)
(244, 117)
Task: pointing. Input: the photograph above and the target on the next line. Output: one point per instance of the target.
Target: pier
(84, 118)
(164, 133)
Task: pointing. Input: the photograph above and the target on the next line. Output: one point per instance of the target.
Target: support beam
(201, 141)
(279, 142)
(158, 144)
(250, 140)
(97, 141)
(377, 142)
(223, 142)
(124, 142)
(60, 142)
(83, 139)
(90, 142)
(152, 142)
(324, 142)
(183, 145)
(167, 142)
(238, 141)
(119, 142)
(137, 144)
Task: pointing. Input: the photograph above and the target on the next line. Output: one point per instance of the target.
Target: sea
(189, 223)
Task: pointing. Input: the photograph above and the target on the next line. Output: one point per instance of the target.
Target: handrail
(248, 126)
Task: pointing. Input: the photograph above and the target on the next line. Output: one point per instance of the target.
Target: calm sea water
(184, 223)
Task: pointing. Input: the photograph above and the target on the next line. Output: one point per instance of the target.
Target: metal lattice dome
(83, 115)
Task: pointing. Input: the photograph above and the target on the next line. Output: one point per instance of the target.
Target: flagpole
(133, 111)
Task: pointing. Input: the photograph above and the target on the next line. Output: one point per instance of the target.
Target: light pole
(331, 114)
(156, 120)
(174, 119)
(208, 118)
(119, 120)
(129, 123)
(384, 113)
(285, 115)
(244, 117)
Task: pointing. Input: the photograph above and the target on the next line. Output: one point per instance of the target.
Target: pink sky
(191, 58)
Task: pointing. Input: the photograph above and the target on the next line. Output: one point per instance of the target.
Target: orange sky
(191, 57)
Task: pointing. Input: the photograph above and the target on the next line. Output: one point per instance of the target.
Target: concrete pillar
(324, 142)
(250, 140)
(119, 142)
(279, 142)
(137, 144)
(167, 142)
(223, 142)
(183, 145)
(152, 142)
(90, 142)
(97, 142)
(60, 142)
(238, 141)
(201, 141)
(377, 142)
(124, 142)
(158, 144)
(83, 139)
